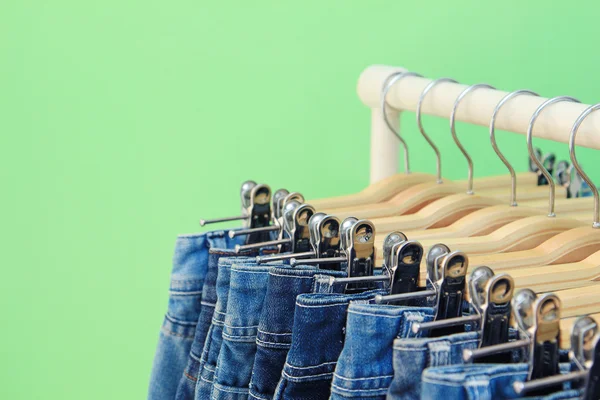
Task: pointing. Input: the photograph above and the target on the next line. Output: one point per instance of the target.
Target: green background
(124, 122)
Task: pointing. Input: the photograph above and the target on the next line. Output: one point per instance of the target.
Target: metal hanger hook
(511, 170)
(575, 163)
(532, 154)
(438, 157)
(453, 129)
(387, 85)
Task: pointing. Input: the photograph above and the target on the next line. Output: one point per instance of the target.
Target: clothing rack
(554, 123)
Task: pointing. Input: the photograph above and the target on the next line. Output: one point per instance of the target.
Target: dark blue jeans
(364, 369)
(482, 382)
(317, 340)
(190, 272)
(274, 335)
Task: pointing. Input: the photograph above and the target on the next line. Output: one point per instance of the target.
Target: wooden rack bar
(554, 123)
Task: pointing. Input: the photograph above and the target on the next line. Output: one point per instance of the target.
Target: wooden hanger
(523, 234)
(570, 246)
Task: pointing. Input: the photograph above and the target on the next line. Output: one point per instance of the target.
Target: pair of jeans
(274, 334)
(364, 369)
(413, 355)
(189, 274)
(189, 379)
(483, 382)
(214, 336)
(317, 341)
(247, 290)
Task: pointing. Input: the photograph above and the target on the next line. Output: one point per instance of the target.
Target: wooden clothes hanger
(390, 189)
(569, 246)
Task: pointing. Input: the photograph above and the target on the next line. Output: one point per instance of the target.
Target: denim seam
(217, 323)
(207, 304)
(252, 272)
(313, 366)
(322, 305)
(195, 357)
(241, 327)
(251, 393)
(208, 367)
(171, 333)
(180, 321)
(229, 389)
(274, 334)
(341, 389)
(239, 339)
(293, 276)
(184, 293)
(304, 378)
(190, 377)
(204, 379)
(219, 312)
(277, 345)
(363, 379)
(374, 315)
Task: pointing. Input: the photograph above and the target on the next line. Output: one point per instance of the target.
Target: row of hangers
(512, 246)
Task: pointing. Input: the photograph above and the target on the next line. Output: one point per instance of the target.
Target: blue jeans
(248, 286)
(317, 340)
(214, 337)
(412, 356)
(189, 378)
(190, 271)
(364, 369)
(482, 382)
(276, 321)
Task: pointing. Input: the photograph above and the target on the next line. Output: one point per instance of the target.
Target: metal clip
(406, 267)
(479, 297)
(245, 194)
(585, 352)
(358, 257)
(280, 199)
(523, 312)
(389, 244)
(295, 224)
(433, 259)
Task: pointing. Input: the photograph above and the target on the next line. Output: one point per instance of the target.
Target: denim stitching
(173, 292)
(375, 315)
(364, 379)
(240, 339)
(278, 345)
(250, 393)
(241, 271)
(322, 305)
(180, 321)
(341, 389)
(204, 303)
(229, 389)
(274, 334)
(190, 377)
(292, 276)
(304, 378)
(241, 327)
(313, 366)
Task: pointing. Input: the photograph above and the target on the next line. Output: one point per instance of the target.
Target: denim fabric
(248, 286)
(189, 378)
(364, 369)
(214, 337)
(274, 334)
(317, 341)
(482, 382)
(190, 270)
(412, 356)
